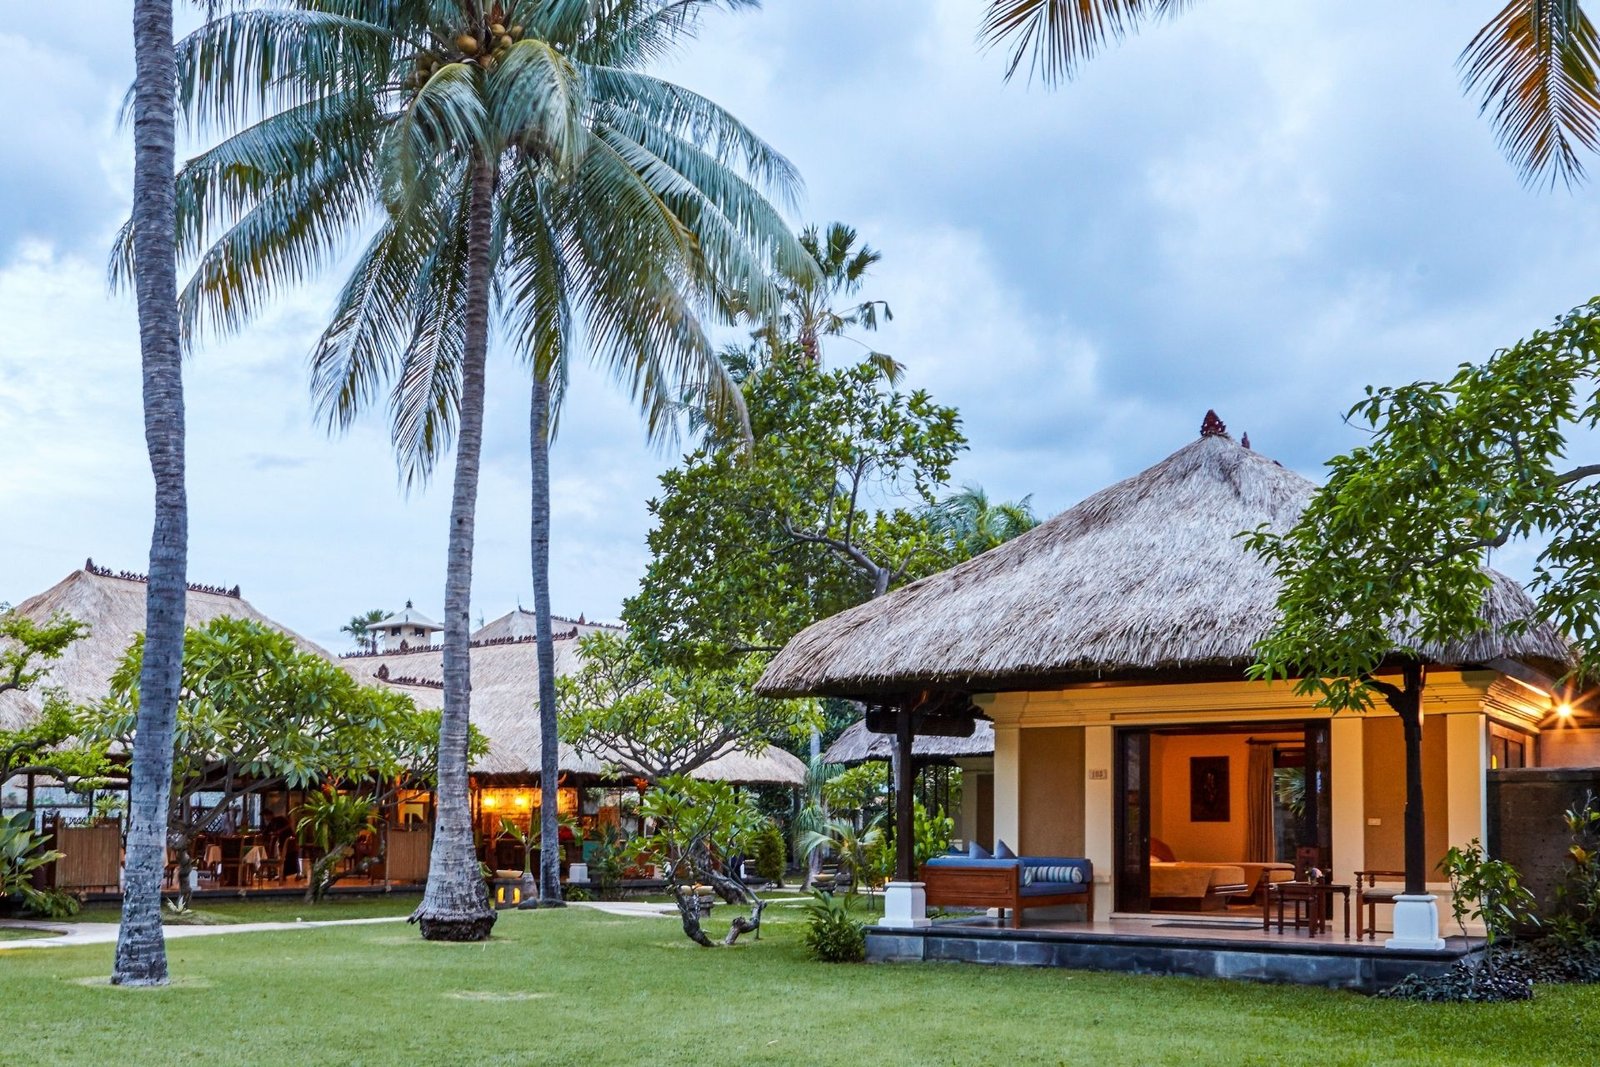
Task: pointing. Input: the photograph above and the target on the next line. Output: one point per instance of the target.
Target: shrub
(576, 893)
(1576, 925)
(769, 851)
(832, 936)
(1488, 890)
(1464, 983)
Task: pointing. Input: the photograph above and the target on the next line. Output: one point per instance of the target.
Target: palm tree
(1535, 66)
(513, 153)
(360, 629)
(816, 303)
(141, 957)
(968, 523)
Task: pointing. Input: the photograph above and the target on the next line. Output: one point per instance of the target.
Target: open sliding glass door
(1319, 792)
(1133, 820)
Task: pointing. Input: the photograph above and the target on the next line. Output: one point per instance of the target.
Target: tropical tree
(1535, 66)
(256, 714)
(662, 721)
(360, 629)
(850, 845)
(515, 151)
(823, 302)
(698, 825)
(969, 523)
(1390, 557)
(141, 957)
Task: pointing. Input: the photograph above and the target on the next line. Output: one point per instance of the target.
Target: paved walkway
(106, 933)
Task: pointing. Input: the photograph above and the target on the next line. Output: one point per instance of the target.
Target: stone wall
(1525, 820)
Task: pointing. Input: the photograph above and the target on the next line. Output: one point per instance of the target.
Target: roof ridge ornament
(1213, 426)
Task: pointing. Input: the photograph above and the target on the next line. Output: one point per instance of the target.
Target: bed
(1191, 886)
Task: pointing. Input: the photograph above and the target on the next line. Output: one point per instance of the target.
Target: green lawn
(577, 986)
(12, 933)
(214, 911)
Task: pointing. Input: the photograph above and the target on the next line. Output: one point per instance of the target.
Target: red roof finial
(1213, 426)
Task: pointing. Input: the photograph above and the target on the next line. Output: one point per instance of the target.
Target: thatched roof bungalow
(112, 604)
(1108, 647)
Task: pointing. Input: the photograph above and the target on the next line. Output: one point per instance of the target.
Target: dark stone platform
(1336, 964)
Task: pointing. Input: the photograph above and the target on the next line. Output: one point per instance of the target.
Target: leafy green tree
(48, 742)
(334, 822)
(698, 825)
(141, 956)
(823, 512)
(517, 152)
(661, 721)
(360, 629)
(27, 647)
(849, 844)
(255, 714)
(1390, 557)
(969, 523)
(1535, 65)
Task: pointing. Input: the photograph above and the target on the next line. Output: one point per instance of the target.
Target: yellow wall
(1051, 793)
(1169, 796)
(1385, 787)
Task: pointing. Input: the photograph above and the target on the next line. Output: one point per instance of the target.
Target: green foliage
(607, 860)
(832, 934)
(27, 648)
(661, 721)
(933, 833)
(1576, 925)
(768, 849)
(1490, 891)
(861, 788)
(822, 512)
(969, 524)
(848, 844)
(22, 852)
(1390, 555)
(256, 713)
(334, 822)
(698, 824)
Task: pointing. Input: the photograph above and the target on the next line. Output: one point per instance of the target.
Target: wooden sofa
(965, 882)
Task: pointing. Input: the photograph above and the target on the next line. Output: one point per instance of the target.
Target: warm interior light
(1563, 711)
(522, 800)
(490, 802)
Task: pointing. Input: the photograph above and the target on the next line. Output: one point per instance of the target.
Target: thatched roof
(858, 745)
(113, 607)
(519, 625)
(408, 616)
(505, 701)
(1144, 579)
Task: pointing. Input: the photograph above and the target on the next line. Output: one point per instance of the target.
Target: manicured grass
(12, 933)
(577, 986)
(217, 911)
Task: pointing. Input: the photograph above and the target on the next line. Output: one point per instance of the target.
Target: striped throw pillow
(1060, 873)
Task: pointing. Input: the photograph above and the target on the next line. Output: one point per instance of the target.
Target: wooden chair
(1369, 894)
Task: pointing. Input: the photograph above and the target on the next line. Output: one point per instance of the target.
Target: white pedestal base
(577, 872)
(905, 906)
(1416, 923)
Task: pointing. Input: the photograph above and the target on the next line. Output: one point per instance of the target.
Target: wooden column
(904, 820)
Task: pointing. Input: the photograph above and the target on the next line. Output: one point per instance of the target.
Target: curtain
(1260, 840)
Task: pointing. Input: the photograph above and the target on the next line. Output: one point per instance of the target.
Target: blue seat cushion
(1002, 851)
(977, 851)
(1051, 889)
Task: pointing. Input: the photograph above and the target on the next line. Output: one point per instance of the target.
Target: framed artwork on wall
(1208, 789)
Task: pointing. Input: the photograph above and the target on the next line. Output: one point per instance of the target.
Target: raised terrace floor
(1230, 946)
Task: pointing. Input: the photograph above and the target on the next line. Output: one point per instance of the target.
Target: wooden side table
(1311, 903)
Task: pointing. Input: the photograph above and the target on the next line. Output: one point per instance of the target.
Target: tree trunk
(454, 906)
(141, 956)
(1416, 850)
(549, 737)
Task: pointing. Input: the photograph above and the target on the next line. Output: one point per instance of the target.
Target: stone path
(106, 933)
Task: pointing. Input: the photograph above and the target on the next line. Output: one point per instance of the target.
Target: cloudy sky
(1259, 208)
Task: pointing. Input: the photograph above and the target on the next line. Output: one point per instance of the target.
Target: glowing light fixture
(491, 802)
(1563, 710)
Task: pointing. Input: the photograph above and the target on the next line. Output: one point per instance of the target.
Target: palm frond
(1055, 36)
(1536, 65)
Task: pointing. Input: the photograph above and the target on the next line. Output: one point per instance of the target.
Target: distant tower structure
(404, 630)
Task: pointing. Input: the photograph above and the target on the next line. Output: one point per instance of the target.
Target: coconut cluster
(485, 48)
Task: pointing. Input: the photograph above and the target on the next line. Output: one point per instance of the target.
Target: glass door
(1133, 820)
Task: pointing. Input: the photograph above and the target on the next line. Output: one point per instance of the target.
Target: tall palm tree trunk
(455, 906)
(141, 956)
(549, 738)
